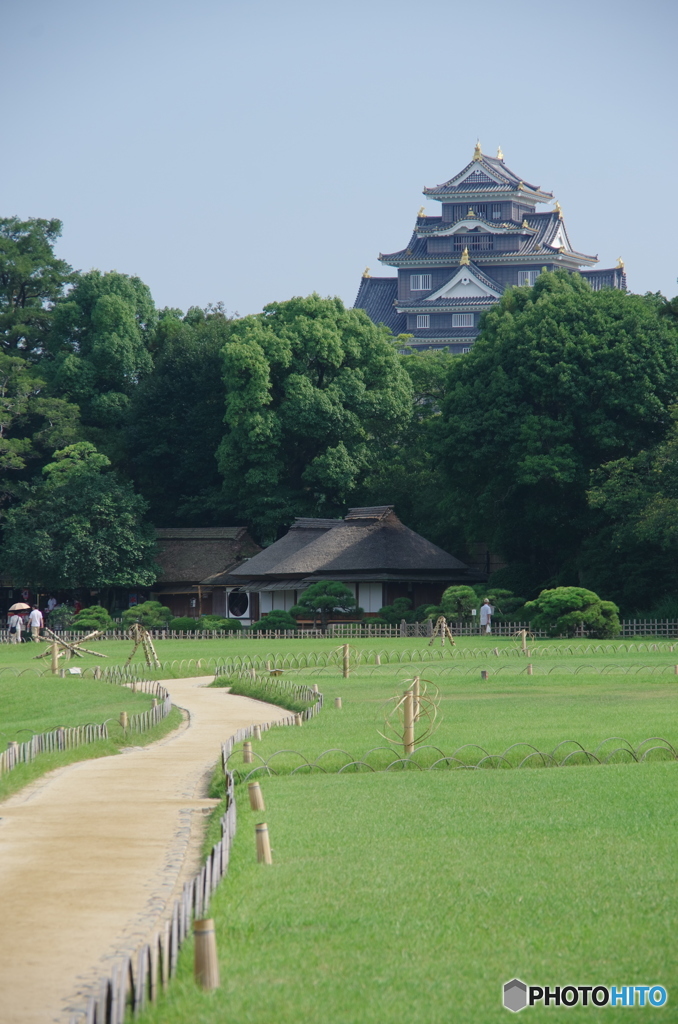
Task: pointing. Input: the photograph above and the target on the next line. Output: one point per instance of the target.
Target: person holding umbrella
(16, 623)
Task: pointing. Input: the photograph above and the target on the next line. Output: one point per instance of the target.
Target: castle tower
(489, 236)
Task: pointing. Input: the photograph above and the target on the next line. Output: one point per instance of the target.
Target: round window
(238, 603)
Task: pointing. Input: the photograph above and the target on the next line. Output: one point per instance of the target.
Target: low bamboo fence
(70, 737)
(364, 631)
(137, 980)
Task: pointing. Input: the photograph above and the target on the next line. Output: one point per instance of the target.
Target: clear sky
(251, 150)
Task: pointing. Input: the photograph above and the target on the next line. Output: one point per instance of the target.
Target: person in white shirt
(51, 604)
(15, 623)
(36, 622)
(486, 610)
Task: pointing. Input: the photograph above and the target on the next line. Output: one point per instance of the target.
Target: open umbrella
(20, 607)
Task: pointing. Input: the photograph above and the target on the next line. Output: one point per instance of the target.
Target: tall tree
(100, 342)
(561, 380)
(313, 392)
(32, 279)
(176, 420)
(79, 527)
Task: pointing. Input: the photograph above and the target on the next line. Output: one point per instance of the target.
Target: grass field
(32, 703)
(414, 895)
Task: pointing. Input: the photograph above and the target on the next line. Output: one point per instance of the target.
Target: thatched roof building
(370, 551)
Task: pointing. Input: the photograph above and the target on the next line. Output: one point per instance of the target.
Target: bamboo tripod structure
(140, 635)
(59, 648)
(442, 630)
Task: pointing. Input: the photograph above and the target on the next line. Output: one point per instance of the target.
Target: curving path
(92, 855)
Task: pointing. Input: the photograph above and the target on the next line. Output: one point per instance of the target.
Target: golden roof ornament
(500, 155)
(366, 272)
(477, 152)
(464, 261)
(422, 212)
(524, 224)
(470, 212)
(620, 263)
(521, 186)
(559, 210)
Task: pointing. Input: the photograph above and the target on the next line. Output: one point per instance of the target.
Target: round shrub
(563, 610)
(94, 617)
(277, 619)
(150, 614)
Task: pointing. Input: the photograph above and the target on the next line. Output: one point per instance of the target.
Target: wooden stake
(263, 844)
(675, 670)
(484, 673)
(298, 720)
(55, 658)
(256, 797)
(523, 635)
(408, 724)
(268, 666)
(256, 732)
(416, 690)
(346, 662)
(206, 962)
(247, 752)
(378, 661)
(124, 720)
(337, 702)
(315, 687)
(529, 670)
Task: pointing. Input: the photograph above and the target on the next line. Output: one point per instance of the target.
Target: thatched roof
(369, 543)
(188, 555)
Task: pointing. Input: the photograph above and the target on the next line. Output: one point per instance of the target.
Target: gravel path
(92, 855)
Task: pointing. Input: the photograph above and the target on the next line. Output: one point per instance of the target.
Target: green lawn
(414, 895)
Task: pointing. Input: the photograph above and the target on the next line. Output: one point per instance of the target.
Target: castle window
(496, 211)
(527, 277)
(462, 319)
(466, 349)
(420, 282)
(423, 321)
(474, 243)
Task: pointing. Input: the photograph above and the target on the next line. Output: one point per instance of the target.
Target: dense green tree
(100, 342)
(32, 279)
(94, 617)
(321, 600)
(150, 614)
(32, 424)
(561, 381)
(563, 610)
(458, 602)
(79, 527)
(313, 393)
(409, 472)
(176, 420)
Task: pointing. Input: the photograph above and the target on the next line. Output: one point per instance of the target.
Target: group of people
(20, 622)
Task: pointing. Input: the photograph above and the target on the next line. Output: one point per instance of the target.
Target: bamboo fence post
(315, 687)
(124, 721)
(298, 719)
(337, 702)
(378, 660)
(55, 658)
(263, 844)
(256, 797)
(256, 732)
(416, 692)
(346, 662)
(247, 752)
(206, 962)
(408, 724)
(529, 669)
(523, 635)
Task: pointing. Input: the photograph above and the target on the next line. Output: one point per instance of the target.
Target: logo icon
(515, 995)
